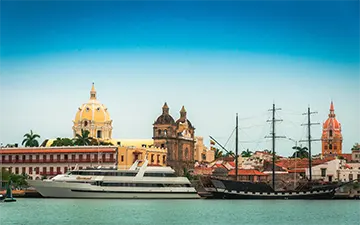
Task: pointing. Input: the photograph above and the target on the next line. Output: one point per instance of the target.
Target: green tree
(63, 142)
(83, 138)
(230, 153)
(300, 152)
(30, 139)
(246, 153)
(356, 147)
(218, 153)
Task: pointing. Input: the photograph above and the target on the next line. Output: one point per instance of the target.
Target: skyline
(215, 58)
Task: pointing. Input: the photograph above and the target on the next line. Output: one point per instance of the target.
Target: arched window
(330, 133)
(98, 134)
(159, 132)
(186, 153)
(85, 123)
(330, 146)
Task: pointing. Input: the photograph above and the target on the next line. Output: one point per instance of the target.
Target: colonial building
(94, 117)
(177, 137)
(331, 138)
(40, 162)
(128, 155)
(202, 153)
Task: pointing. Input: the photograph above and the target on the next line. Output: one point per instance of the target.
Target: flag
(212, 148)
(212, 142)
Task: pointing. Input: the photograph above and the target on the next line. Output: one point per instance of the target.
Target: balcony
(58, 161)
(50, 173)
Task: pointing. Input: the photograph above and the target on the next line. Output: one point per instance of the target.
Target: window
(44, 170)
(158, 158)
(350, 177)
(65, 169)
(73, 157)
(30, 170)
(80, 157)
(17, 158)
(358, 176)
(164, 159)
(3, 158)
(58, 170)
(152, 158)
(30, 157)
(51, 170)
(326, 147)
(37, 170)
(23, 157)
(159, 132)
(331, 134)
(85, 123)
(163, 145)
(330, 146)
(323, 172)
(16, 170)
(98, 135)
(66, 157)
(335, 147)
(23, 170)
(122, 158)
(203, 156)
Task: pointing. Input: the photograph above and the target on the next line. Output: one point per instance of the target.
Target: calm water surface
(78, 211)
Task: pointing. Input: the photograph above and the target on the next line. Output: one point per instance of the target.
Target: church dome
(332, 123)
(92, 111)
(165, 117)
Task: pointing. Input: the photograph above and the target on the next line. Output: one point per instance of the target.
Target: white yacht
(137, 182)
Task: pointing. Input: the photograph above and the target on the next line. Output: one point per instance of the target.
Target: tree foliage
(246, 153)
(218, 153)
(30, 139)
(83, 138)
(300, 152)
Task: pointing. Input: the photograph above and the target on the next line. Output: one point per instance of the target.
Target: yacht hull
(50, 189)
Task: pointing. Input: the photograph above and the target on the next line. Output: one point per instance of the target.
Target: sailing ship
(221, 188)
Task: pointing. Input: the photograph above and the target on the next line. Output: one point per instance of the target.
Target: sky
(215, 58)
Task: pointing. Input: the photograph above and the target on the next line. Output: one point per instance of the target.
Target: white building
(335, 170)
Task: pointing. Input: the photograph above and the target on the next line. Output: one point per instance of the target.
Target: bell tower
(331, 139)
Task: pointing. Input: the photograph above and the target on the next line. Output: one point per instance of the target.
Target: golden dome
(92, 111)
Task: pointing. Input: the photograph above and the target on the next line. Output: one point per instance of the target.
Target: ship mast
(273, 137)
(236, 148)
(309, 140)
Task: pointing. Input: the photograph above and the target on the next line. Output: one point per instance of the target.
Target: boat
(222, 188)
(142, 182)
(8, 196)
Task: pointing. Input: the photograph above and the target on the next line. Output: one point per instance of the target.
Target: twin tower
(177, 136)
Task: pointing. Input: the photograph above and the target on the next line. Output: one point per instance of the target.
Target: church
(178, 137)
(331, 138)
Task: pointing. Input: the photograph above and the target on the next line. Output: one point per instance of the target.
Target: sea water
(222, 212)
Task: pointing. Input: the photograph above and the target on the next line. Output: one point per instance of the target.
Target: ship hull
(50, 189)
(225, 189)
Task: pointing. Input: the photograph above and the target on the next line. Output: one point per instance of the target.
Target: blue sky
(216, 58)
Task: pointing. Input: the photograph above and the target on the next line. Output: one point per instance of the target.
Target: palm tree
(218, 153)
(300, 152)
(83, 139)
(246, 153)
(230, 153)
(30, 139)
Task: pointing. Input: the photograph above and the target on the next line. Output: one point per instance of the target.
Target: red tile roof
(243, 172)
(301, 163)
(347, 156)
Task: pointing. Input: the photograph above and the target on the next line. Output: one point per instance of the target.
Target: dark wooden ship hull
(228, 189)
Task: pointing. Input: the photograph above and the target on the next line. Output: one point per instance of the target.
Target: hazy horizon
(215, 58)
